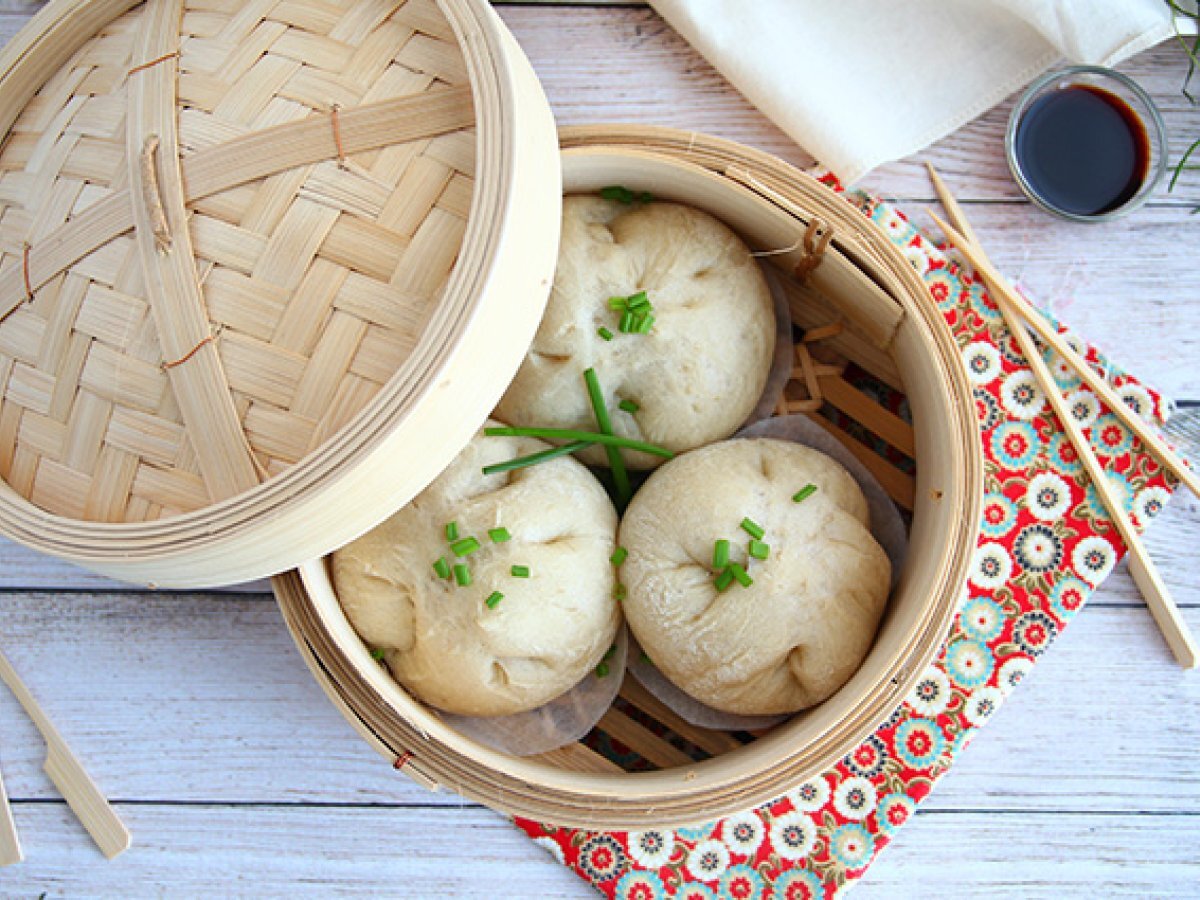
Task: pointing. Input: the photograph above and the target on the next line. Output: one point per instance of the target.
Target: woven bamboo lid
(264, 267)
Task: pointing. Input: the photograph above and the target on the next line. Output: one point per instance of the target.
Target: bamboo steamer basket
(245, 249)
(867, 306)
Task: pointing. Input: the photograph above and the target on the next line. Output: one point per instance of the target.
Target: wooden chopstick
(68, 774)
(1158, 598)
(1048, 333)
(10, 844)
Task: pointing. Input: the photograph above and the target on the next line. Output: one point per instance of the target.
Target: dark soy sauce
(1083, 150)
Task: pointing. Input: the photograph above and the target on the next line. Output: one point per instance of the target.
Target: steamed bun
(696, 376)
(798, 633)
(440, 640)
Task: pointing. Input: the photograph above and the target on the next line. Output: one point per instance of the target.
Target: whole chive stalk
(465, 547)
(759, 550)
(743, 578)
(720, 555)
(519, 571)
(499, 535)
(378, 655)
(604, 423)
(604, 333)
(752, 528)
(724, 580)
(442, 568)
(451, 531)
(533, 459)
(618, 557)
(804, 493)
(493, 600)
(462, 575)
(628, 406)
(574, 434)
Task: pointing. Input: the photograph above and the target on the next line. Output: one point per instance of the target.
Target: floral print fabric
(1045, 543)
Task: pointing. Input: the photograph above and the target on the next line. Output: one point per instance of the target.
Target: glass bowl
(1122, 87)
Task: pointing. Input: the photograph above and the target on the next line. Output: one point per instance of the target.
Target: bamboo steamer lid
(264, 268)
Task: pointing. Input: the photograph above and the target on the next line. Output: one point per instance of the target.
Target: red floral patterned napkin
(1045, 543)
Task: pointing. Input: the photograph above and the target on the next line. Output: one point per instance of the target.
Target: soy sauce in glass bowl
(1086, 143)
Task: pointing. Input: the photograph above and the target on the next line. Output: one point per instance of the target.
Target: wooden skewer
(68, 774)
(1048, 333)
(1158, 598)
(10, 844)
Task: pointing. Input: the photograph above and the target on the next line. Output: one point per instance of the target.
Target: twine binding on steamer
(816, 240)
(171, 364)
(149, 64)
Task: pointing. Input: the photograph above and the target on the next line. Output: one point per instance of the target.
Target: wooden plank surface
(237, 777)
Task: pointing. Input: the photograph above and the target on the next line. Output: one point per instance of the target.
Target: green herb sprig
(1191, 47)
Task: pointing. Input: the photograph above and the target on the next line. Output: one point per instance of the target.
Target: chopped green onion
(499, 535)
(646, 658)
(724, 580)
(608, 654)
(720, 555)
(465, 547)
(617, 192)
(740, 574)
(759, 550)
(574, 434)
(462, 575)
(378, 655)
(622, 194)
(604, 423)
(619, 592)
(618, 303)
(629, 406)
(645, 324)
(602, 670)
(618, 556)
(604, 333)
(442, 568)
(494, 600)
(452, 531)
(752, 528)
(804, 493)
(533, 459)
(637, 301)
(519, 571)
(626, 324)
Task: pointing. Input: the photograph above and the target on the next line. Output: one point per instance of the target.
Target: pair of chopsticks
(68, 775)
(1018, 314)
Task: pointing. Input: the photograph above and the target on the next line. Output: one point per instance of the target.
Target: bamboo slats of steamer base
(240, 245)
(865, 324)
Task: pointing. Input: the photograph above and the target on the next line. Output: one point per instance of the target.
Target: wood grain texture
(237, 777)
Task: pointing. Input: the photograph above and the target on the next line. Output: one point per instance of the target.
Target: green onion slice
(494, 599)
(720, 555)
(804, 493)
(724, 580)
(462, 575)
(499, 535)
(465, 547)
(378, 655)
(602, 670)
(574, 434)
(533, 459)
(740, 574)
(759, 550)
(618, 556)
(752, 528)
(629, 406)
(604, 423)
(442, 568)
(519, 571)
(452, 531)
(604, 333)
(626, 325)
(619, 592)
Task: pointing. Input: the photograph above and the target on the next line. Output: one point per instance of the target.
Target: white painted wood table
(236, 775)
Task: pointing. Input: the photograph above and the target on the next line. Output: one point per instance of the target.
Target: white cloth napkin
(860, 82)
